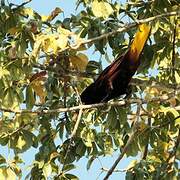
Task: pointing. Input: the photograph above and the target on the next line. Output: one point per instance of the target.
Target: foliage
(44, 66)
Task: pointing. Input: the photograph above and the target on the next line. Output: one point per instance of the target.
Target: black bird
(114, 80)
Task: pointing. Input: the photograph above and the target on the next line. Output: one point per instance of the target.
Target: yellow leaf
(27, 12)
(132, 164)
(40, 91)
(3, 173)
(10, 174)
(177, 77)
(37, 46)
(153, 91)
(21, 142)
(79, 61)
(101, 9)
(62, 41)
(165, 110)
(10, 99)
(154, 158)
(44, 18)
(39, 88)
(49, 43)
(3, 72)
(151, 168)
(165, 63)
(47, 170)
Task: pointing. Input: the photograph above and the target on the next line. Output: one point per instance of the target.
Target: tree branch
(130, 140)
(146, 147)
(121, 29)
(122, 102)
(21, 5)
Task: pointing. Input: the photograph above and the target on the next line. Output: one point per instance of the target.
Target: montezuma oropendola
(114, 79)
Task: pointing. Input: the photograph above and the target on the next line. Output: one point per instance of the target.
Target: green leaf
(133, 149)
(30, 99)
(68, 167)
(108, 145)
(8, 99)
(129, 175)
(22, 141)
(60, 128)
(71, 177)
(2, 159)
(4, 140)
(81, 149)
(111, 121)
(90, 161)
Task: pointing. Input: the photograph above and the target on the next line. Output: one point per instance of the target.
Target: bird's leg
(128, 92)
(109, 90)
(106, 98)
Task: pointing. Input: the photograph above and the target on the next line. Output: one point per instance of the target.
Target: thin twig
(173, 52)
(74, 129)
(146, 147)
(115, 170)
(72, 136)
(121, 29)
(77, 123)
(21, 5)
(130, 140)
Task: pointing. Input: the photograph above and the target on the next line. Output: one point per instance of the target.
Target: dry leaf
(79, 61)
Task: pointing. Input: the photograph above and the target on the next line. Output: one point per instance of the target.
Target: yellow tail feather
(139, 41)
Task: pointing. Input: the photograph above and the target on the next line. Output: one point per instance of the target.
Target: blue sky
(45, 7)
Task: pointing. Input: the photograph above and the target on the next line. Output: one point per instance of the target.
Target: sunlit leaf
(3, 72)
(27, 12)
(10, 174)
(101, 9)
(177, 77)
(47, 169)
(132, 164)
(88, 137)
(165, 110)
